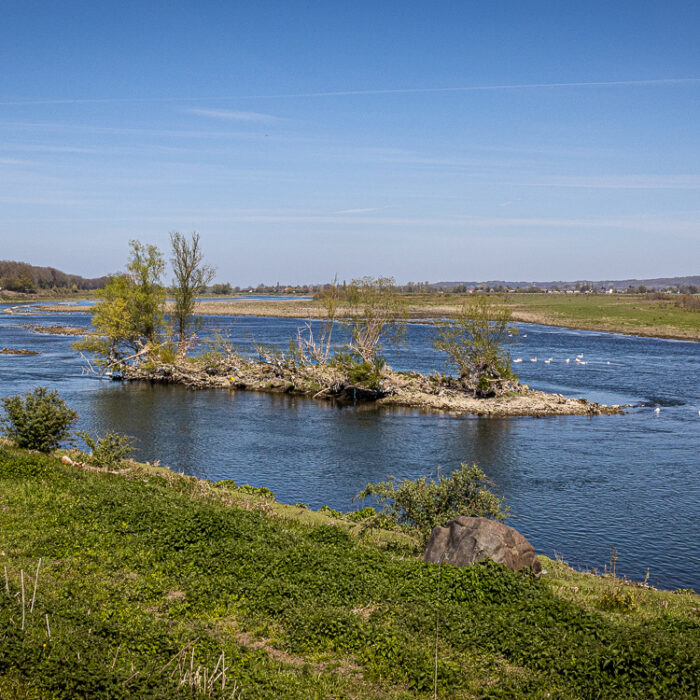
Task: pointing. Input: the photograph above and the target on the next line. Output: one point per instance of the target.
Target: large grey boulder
(464, 541)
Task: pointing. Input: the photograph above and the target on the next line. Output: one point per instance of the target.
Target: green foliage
(38, 420)
(137, 575)
(245, 488)
(617, 599)
(332, 512)
(166, 353)
(22, 465)
(366, 374)
(361, 514)
(475, 344)
(129, 317)
(224, 289)
(423, 503)
(108, 451)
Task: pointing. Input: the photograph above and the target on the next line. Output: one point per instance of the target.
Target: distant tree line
(29, 279)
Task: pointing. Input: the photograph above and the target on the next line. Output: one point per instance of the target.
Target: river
(576, 486)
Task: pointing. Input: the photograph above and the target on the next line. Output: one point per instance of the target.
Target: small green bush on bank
(39, 420)
(108, 451)
(141, 572)
(423, 503)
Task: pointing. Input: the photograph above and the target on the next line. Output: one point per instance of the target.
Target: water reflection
(576, 485)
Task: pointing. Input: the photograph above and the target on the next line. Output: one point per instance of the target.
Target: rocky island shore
(326, 382)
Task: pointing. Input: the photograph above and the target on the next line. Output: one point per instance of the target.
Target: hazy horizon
(442, 142)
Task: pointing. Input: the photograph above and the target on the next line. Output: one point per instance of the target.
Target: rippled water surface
(576, 485)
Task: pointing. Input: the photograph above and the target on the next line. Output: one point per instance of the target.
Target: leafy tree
(475, 344)
(39, 420)
(129, 318)
(377, 314)
(191, 277)
(424, 504)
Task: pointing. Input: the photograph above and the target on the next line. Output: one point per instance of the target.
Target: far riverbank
(629, 314)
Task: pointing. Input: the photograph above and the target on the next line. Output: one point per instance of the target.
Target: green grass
(630, 313)
(623, 313)
(148, 576)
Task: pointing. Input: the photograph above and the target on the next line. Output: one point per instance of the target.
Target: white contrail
(351, 93)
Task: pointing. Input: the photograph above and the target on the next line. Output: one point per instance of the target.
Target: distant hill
(621, 285)
(23, 277)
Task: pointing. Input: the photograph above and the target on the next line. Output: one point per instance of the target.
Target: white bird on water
(579, 357)
(568, 359)
(657, 410)
(533, 359)
(517, 359)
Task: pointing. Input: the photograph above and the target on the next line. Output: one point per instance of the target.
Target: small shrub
(39, 420)
(617, 599)
(109, 451)
(225, 484)
(166, 354)
(689, 302)
(330, 511)
(257, 491)
(366, 374)
(362, 514)
(424, 504)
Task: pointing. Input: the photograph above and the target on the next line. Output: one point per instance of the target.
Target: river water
(576, 486)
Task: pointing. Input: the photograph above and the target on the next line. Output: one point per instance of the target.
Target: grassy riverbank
(151, 582)
(632, 314)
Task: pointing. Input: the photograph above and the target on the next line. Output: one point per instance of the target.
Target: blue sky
(428, 141)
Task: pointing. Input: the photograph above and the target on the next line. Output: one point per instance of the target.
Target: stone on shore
(464, 541)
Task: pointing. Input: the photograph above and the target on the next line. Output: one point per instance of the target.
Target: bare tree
(191, 276)
(318, 350)
(378, 314)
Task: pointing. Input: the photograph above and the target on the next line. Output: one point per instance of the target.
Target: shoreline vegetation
(646, 315)
(138, 581)
(400, 389)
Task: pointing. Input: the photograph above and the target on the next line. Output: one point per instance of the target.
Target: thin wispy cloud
(229, 115)
(624, 182)
(39, 148)
(656, 82)
(127, 131)
(358, 211)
